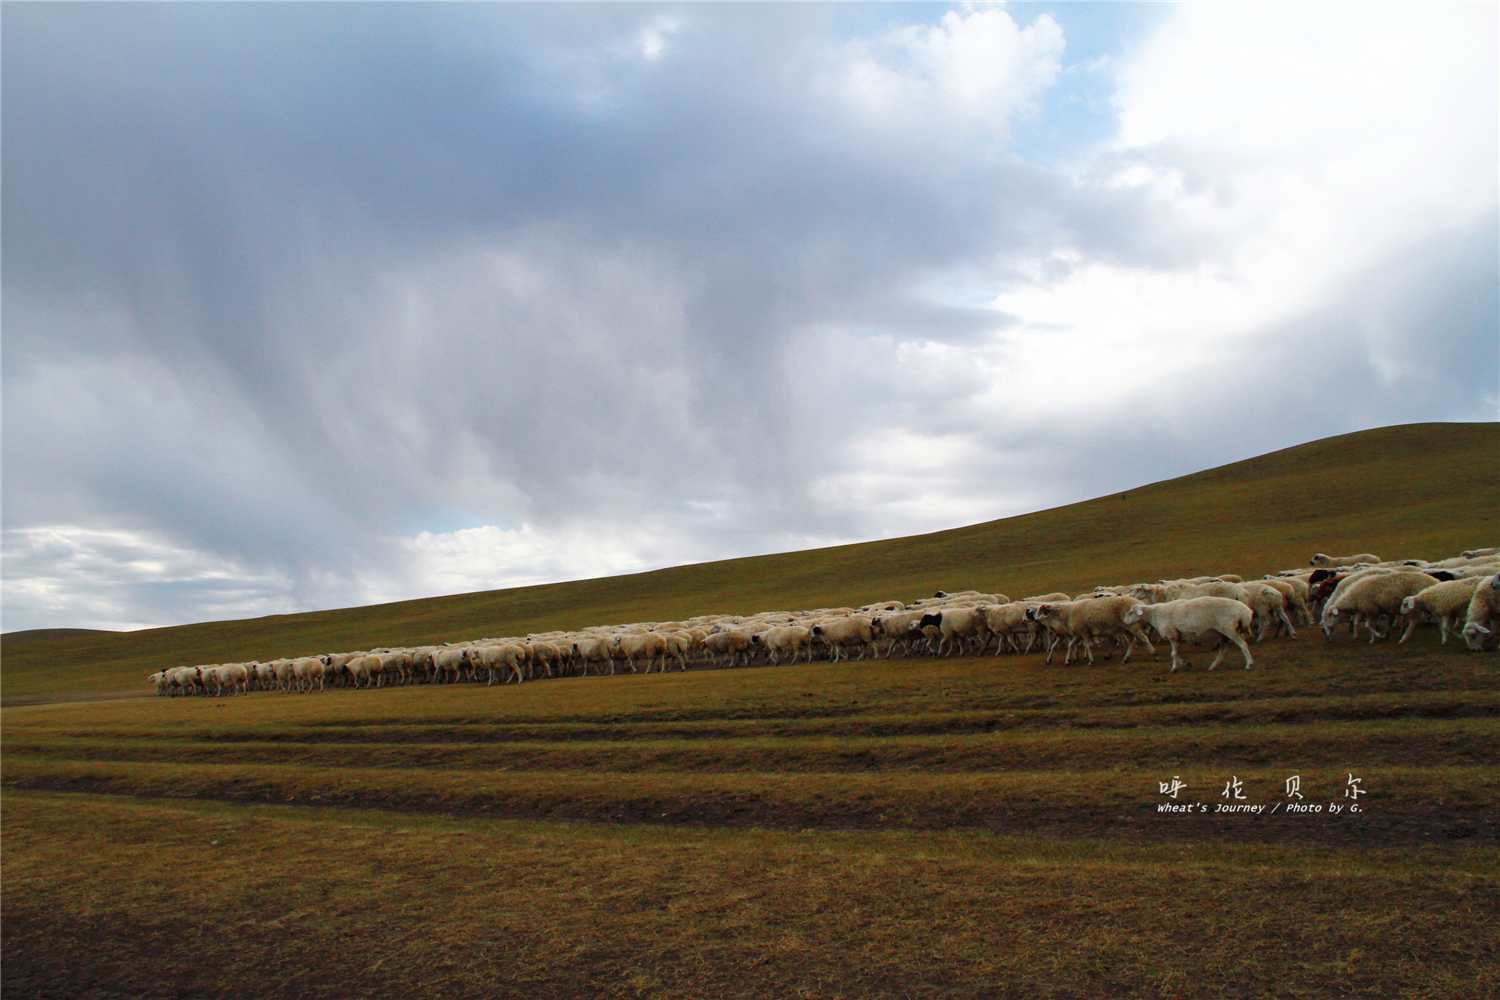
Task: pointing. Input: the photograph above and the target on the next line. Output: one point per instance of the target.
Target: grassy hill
(1419, 490)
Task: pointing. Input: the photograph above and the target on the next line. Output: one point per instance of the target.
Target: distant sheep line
(1217, 612)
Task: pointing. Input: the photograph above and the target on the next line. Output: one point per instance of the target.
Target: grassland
(967, 827)
(1424, 490)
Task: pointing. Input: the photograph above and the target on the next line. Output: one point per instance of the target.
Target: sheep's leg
(1411, 626)
(1176, 658)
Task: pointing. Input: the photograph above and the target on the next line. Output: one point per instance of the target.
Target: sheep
(1478, 553)
(1269, 605)
(282, 670)
(1177, 590)
(1006, 621)
(265, 676)
(228, 677)
(1088, 620)
(1294, 593)
(1334, 561)
(1443, 601)
(159, 679)
(899, 627)
(546, 655)
(1371, 598)
(183, 681)
(1197, 619)
(733, 646)
(307, 671)
(678, 644)
(395, 664)
(851, 630)
(366, 669)
(959, 624)
(499, 659)
(1483, 613)
(785, 638)
(1328, 586)
(449, 664)
(649, 647)
(591, 650)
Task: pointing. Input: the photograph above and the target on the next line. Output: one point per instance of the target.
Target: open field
(964, 827)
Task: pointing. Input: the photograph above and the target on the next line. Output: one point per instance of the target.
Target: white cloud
(1304, 145)
(76, 577)
(978, 65)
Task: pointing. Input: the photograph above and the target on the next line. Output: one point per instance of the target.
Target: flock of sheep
(1214, 611)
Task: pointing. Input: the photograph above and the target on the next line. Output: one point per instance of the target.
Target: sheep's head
(1476, 635)
(1134, 613)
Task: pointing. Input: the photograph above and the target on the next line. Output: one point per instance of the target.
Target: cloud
(310, 305)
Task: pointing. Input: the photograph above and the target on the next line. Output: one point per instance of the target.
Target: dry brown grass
(168, 899)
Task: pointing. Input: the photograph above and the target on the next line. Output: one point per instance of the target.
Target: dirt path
(31, 700)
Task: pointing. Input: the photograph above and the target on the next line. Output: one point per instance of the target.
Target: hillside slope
(1419, 490)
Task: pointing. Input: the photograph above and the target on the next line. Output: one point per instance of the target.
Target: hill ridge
(1413, 490)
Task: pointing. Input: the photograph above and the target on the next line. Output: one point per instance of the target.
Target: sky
(310, 306)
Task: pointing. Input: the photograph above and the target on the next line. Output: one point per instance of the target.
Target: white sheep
(592, 650)
(1483, 614)
(851, 630)
(1007, 621)
(785, 639)
(1447, 602)
(366, 668)
(1294, 591)
(546, 655)
(1370, 599)
(958, 624)
(499, 660)
(1197, 620)
(1268, 602)
(649, 647)
(307, 671)
(1088, 620)
(450, 663)
(183, 681)
(1326, 561)
(732, 645)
